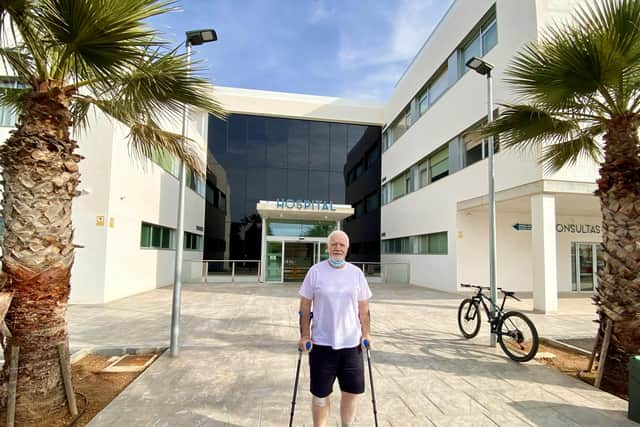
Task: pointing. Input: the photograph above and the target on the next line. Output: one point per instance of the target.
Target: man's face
(338, 247)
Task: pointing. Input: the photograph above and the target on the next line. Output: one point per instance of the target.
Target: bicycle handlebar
(486, 288)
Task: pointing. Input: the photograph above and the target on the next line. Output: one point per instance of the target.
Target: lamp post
(484, 68)
(193, 38)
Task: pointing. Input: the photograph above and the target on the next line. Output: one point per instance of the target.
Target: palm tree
(580, 89)
(72, 56)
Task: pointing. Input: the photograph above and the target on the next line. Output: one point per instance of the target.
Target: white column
(263, 251)
(338, 225)
(543, 251)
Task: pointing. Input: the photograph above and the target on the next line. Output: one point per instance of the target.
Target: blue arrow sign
(522, 227)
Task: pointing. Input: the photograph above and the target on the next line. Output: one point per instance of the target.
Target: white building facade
(434, 210)
(435, 184)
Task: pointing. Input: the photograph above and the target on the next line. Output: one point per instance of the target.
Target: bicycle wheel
(469, 318)
(518, 336)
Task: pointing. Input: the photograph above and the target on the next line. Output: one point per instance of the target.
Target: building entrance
(294, 236)
(298, 258)
(586, 262)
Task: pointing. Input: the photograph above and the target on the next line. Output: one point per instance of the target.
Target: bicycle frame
(499, 311)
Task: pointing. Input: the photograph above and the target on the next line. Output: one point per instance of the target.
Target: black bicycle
(515, 332)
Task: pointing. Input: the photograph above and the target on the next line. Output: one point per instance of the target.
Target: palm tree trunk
(40, 175)
(618, 295)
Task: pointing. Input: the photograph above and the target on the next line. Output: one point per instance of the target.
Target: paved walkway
(238, 358)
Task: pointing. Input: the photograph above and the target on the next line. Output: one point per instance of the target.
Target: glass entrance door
(587, 261)
(323, 252)
(274, 262)
(298, 258)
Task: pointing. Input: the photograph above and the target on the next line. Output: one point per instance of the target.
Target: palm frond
(98, 35)
(147, 140)
(19, 61)
(146, 137)
(584, 58)
(159, 85)
(19, 20)
(526, 126)
(13, 99)
(568, 152)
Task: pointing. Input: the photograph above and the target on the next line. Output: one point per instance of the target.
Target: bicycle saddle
(508, 293)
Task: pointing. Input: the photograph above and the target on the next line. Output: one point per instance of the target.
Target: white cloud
(381, 52)
(319, 11)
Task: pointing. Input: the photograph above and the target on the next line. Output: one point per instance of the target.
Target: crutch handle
(366, 343)
(308, 345)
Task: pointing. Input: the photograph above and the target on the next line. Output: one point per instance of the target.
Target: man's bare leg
(348, 406)
(320, 410)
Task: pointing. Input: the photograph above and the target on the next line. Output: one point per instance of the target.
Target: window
(195, 182)
(156, 236)
(358, 209)
(192, 241)
(489, 36)
(222, 202)
(371, 202)
(397, 187)
(476, 149)
(425, 244)
(423, 173)
(401, 124)
(437, 243)
(439, 163)
(438, 84)
(481, 41)
(372, 156)
(167, 162)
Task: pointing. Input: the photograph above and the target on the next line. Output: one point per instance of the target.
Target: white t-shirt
(335, 293)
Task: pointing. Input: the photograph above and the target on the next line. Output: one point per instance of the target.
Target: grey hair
(338, 233)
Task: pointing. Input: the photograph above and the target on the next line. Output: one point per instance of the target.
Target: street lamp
(484, 68)
(193, 38)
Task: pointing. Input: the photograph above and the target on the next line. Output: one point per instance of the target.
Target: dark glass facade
(254, 158)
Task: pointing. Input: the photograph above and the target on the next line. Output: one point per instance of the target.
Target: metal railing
(222, 270)
(385, 272)
(249, 271)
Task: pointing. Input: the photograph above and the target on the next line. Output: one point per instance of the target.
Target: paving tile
(238, 358)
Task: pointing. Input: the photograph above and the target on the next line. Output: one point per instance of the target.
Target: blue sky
(350, 48)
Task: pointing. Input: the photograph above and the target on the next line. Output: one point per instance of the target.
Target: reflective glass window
(439, 85)
(256, 141)
(298, 148)
(489, 37)
(276, 184)
(439, 164)
(277, 134)
(355, 134)
(319, 185)
(336, 187)
(300, 228)
(319, 145)
(256, 182)
(338, 146)
(237, 140)
(297, 186)
(372, 202)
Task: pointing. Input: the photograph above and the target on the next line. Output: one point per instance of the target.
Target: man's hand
(302, 344)
(362, 340)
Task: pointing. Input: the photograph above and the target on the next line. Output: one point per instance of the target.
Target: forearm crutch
(373, 393)
(295, 385)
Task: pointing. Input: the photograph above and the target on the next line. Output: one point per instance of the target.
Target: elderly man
(339, 294)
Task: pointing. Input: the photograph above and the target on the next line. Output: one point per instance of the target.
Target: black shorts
(327, 364)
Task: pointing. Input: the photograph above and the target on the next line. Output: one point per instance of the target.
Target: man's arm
(365, 320)
(305, 322)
